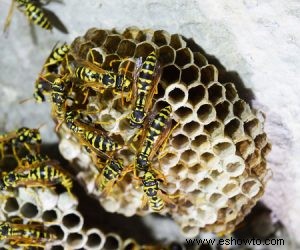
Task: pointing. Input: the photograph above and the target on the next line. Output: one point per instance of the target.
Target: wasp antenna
(26, 100)
(42, 125)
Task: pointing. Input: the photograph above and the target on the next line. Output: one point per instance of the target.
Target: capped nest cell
(215, 159)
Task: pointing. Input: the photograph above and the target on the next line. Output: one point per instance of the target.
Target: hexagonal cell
(95, 239)
(190, 74)
(251, 187)
(196, 94)
(231, 92)
(166, 55)
(253, 128)
(218, 199)
(234, 165)
(207, 184)
(143, 49)
(234, 129)
(214, 129)
(11, 205)
(85, 48)
(75, 240)
(216, 93)
(187, 185)
(161, 37)
(49, 215)
(126, 48)
(206, 113)
(170, 159)
(95, 57)
(29, 210)
(112, 42)
(135, 34)
(184, 56)
(231, 189)
(176, 94)
(224, 110)
(178, 171)
(170, 74)
(73, 221)
(179, 141)
(208, 73)
(184, 113)
(191, 128)
(224, 148)
(111, 59)
(242, 110)
(261, 141)
(199, 141)
(199, 59)
(130, 244)
(60, 234)
(96, 36)
(189, 156)
(245, 148)
(177, 42)
(112, 242)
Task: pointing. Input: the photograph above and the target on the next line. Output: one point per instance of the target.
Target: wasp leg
(9, 16)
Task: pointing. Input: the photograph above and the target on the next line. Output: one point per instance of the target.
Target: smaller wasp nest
(214, 161)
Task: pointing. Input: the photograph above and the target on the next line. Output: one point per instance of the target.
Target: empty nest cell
(49, 215)
(95, 239)
(176, 94)
(75, 240)
(234, 129)
(190, 74)
(11, 205)
(143, 49)
(191, 128)
(170, 74)
(166, 55)
(196, 94)
(224, 110)
(160, 38)
(29, 210)
(184, 56)
(208, 74)
(224, 148)
(72, 221)
(179, 141)
(126, 48)
(112, 242)
(216, 93)
(189, 156)
(184, 114)
(206, 113)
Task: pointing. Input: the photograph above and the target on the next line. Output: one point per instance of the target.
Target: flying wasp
(38, 174)
(147, 80)
(23, 137)
(30, 235)
(34, 13)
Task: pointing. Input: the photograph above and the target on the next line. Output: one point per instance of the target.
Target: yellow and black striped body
(107, 78)
(110, 173)
(35, 14)
(26, 235)
(59, 97)
(144, 85)
(153, 133)
(151, 188)
(41, 87)
(43, 175)
(95, 138)
(56, 57)
(100, 141)
(23, 137)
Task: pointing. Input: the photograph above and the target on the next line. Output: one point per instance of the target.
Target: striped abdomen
(37, 16)
(100, 142)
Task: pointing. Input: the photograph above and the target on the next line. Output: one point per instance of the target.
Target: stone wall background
(257, 41)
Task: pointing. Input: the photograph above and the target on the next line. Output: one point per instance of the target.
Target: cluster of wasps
(138, 88)
(30, 168)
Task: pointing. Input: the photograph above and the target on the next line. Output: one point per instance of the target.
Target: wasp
(147, 80)
(157, 132)
(155, 196)
(50, 66)
(22, 137)
(112, 172)
(89, 135)
(99, 79)
(30, 235)
(34, 13)
(38, 174)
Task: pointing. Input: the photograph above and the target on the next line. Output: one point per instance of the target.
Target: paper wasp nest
(215, 158)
